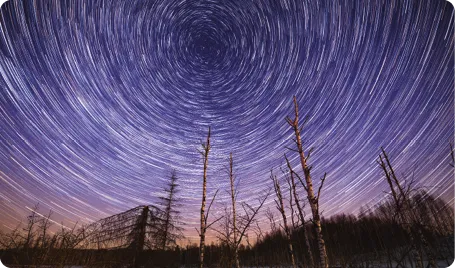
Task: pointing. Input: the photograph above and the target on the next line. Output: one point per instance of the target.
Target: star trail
(100, 100)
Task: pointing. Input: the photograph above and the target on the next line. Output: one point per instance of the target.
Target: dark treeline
(372, 237)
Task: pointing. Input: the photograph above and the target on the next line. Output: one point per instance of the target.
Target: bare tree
(206, 148)
(66, 240)
(245, 221)
(33, 245)
(30, 232)
(235, 226)
(271, 217)
(405, 213)
(204, 226)
(294, 223)
(258, 232)
(234, 229)
(170, 231)
(42, 243)
(10, 240)
(308, 185)
(300, 211)
(43, 226)
(280, 206)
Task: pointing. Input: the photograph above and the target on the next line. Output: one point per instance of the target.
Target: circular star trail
(100, 100)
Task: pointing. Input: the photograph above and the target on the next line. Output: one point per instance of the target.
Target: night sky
(100, 100)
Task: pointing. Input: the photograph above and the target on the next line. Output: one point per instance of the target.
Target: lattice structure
(136, 229)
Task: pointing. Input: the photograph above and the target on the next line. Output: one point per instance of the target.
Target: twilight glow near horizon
(100, 100)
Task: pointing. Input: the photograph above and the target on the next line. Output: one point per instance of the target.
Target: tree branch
(452, 155)
(215, 221)
(208, 209)
(320, 186)
(250, 219)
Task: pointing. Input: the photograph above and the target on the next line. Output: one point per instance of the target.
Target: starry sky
(100, 100)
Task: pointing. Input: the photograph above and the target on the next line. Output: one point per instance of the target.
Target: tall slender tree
(236, 226)
(308, 185)
(204, 214)
(300, 212)
(234, 222)
(170, 230)
(205, 154)
(280, 206)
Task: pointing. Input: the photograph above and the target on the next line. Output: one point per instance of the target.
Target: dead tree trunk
(231, 178)
(235, 228)
(312, 199)
(205, 153)
(402, 206)
(280, 207)
(302, 217)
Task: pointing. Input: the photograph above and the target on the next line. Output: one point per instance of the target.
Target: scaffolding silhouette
(136, 229)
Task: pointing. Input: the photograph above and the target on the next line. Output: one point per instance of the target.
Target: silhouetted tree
(405, 211)
(271, 217)
(170, 229)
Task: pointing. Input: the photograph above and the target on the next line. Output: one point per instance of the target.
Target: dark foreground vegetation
(410, 228)
(373, 237)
